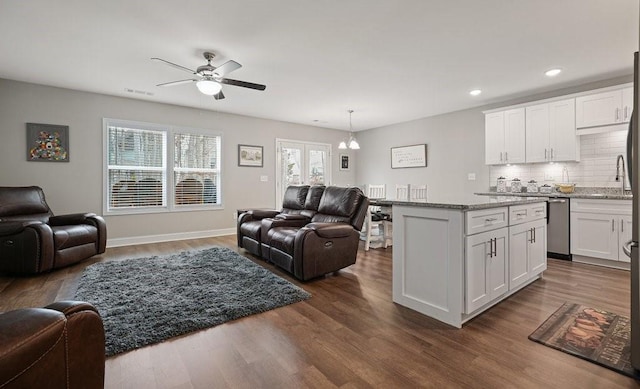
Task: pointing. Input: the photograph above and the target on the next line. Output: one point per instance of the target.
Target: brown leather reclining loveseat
(33, 240)
(317, 231)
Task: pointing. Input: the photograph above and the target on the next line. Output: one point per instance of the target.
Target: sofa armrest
(290, 216)
(27, 247)
(263, 213)
(70, 219)
(58, 346)
(331, 230)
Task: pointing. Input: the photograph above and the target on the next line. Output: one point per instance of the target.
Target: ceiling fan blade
(226, 68)
(243, 84)
(172, 83)
(219, 96)
(175, 65)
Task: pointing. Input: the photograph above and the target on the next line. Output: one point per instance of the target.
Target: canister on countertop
(532, 186)
(501, 185)
(516, 185)
(546, 188)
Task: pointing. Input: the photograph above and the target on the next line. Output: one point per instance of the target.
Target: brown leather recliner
(250, 222)
(33, 240)
(59, 346)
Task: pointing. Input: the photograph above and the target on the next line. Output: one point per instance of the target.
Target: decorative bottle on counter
(501, 185)
(516, 185)
(532, 186)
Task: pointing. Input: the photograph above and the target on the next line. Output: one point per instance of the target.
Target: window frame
(168, 171)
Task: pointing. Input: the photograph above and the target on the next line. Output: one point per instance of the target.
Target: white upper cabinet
(551, 132)
(505, 137)
(605, 108)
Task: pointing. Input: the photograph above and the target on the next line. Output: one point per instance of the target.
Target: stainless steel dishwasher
(558, 233)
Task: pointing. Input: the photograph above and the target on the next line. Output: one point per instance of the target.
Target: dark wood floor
(351, 335)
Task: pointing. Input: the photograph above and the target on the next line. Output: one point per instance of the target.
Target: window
(301, 163)
(138, 171)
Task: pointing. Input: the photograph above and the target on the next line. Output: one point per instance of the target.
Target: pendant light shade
(209, 87)
(352, 143)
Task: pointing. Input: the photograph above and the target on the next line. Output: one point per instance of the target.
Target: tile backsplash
(597, 166)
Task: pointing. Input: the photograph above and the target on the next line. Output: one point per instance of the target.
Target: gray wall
(455, 147)
(77, 186)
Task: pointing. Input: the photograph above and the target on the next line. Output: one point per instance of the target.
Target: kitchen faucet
(565, 171)
(618, 174)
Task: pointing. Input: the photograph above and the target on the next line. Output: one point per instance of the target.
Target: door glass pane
(291, 166)
(317, 165)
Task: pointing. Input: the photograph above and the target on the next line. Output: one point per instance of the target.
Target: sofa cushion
(294, 197)
(340, 201)
(76, 235)
(21, 201)
(282, 238)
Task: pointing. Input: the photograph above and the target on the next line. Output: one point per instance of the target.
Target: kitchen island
(454, 258)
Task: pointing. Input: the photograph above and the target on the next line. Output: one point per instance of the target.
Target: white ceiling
(390, 61)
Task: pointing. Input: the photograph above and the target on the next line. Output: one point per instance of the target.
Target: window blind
(196, 168)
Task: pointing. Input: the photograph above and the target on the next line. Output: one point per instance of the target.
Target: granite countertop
(580, 193)
(464, 202)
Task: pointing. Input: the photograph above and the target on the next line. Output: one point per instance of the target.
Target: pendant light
(352, 143)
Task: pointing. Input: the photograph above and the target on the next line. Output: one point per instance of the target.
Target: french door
(301, 163)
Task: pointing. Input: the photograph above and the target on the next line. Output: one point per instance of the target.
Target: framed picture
(47, 142)
(250, 155)
(409, 156)
(344, 162)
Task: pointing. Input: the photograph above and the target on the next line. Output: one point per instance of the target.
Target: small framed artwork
(250, 155)
(47, 142)
(409, 156)
(344, 162)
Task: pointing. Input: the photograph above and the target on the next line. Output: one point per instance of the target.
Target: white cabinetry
(551, 132)
(604, 108)
(486, 270)
(527, 251)
(599, 228)
(505, 137)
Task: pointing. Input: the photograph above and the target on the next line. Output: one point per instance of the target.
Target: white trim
(145, 239)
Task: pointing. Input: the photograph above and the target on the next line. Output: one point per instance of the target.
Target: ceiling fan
(208, 78)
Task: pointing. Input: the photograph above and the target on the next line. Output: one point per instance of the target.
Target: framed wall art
(409, 156)
(47, 142)
(250, 155)
(344, 162)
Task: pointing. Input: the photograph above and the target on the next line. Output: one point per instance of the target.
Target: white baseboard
(117, 242)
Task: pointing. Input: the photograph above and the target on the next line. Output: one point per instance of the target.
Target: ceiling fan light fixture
(209, 87)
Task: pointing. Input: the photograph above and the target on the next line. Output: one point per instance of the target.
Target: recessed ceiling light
(552, 72)
(475, 92)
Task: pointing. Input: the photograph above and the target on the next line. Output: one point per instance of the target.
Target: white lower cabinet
(486, 267)
(599, 228)
(527, 251)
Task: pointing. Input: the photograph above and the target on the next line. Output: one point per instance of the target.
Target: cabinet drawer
(608, 207)
(528, 212)
(486, 220)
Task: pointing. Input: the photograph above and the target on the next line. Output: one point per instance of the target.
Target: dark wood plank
(351, 335)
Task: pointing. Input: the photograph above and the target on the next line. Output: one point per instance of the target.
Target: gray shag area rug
(148, 300)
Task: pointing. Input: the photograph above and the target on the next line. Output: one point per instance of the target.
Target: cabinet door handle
(626, 114)
(621, 225)
(506, 157)
(534, 234)
(617, 116)
(501, 156)
(545, 153)
(490, 219)
(495, 247)
(552, 153)
(613, 225)
(490, 248)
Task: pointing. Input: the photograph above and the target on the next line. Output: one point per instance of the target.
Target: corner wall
(76, 186)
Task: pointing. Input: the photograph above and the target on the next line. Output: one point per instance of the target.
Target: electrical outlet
(471, 176)
(264, 178)
(548, 177)
(235, 216)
